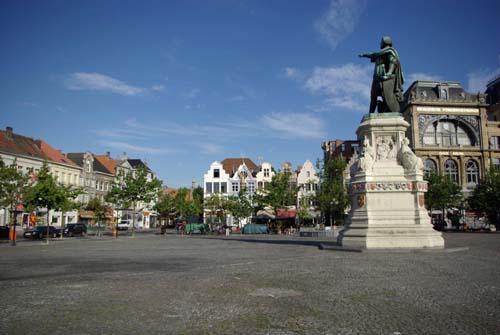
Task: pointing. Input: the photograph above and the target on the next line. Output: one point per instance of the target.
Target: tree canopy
(239, 206)
(486, 196)
(45, 193)
(13, 185)
(332, 195)
(279, 193)
(442, 193)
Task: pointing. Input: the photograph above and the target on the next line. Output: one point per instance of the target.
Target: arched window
(472, 172)
(447, 133)
(451, 170)
(430, 167)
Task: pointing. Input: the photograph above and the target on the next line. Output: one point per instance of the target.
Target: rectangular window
(251, 187)
(223, 187)
(496, 163)
(266, 172)
(208, 187)
(63, 177)
(97, 185)
(355, 148)
(216, 173)
(495, 142)
(235, 186)
(216, 188)
(342, 147)
(55, 219)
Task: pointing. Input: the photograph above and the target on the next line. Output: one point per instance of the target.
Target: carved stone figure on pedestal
(408, 159)
(366, 162)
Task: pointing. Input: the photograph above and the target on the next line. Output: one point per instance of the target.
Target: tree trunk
(62, 224)
(133, 220)
(48, 225)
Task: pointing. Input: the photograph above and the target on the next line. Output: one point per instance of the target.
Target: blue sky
(183, 83)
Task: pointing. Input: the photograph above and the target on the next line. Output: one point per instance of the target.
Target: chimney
(8, 132)
(108, 154)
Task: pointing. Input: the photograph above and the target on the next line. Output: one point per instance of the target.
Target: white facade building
(265, 175)
(215, 181)
(228, 178)
(307, 181)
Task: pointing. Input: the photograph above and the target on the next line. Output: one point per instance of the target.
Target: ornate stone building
(493, 122)
(448, 130)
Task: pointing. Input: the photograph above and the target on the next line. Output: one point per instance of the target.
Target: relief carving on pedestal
(386, 149)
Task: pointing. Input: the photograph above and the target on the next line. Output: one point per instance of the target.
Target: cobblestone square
(154, 284)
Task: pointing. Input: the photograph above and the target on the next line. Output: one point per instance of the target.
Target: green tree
(99, 210)
(240, 206)
(68, 203)
(442, 193)
(133, 188)
(216, 206)
(303, 210)
(165, 206)
(46, 193)
(486, 196)
(13, 187)
(184, 205)
(332, 196)
(278, 194)
(198, 200)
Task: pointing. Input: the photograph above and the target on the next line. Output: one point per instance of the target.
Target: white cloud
(294, 125)
(210, 149)
(99, 82)
(192, 94)
(293, 73)
(412, 77)
(339, 21)
(158, 88)
(345, 86)
(136, 148)
(477, 80)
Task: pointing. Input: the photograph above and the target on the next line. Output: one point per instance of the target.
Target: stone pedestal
(387, 189)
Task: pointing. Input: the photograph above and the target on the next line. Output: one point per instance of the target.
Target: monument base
(387, 189)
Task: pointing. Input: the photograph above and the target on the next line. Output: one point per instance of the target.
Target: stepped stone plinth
(386, 188)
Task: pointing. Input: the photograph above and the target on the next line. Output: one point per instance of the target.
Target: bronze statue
(388, 78)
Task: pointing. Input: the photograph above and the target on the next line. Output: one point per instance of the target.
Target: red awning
(286, 214)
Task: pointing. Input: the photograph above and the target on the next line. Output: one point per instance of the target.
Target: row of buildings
(93, 174)
(455, 132)
(232, 175)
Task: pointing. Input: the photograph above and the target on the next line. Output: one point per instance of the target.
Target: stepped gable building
(97, 180)
(493, 122)
(265, 175)
(448, 130)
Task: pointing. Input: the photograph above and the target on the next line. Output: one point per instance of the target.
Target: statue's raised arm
(388, 78)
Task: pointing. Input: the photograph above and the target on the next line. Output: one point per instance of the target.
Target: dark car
(72, 229)
(4, 232)
(41, 232)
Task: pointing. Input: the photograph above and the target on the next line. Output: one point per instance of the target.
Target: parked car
(41, 232)
(124, 225)
(72, 229)
(4, 232)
